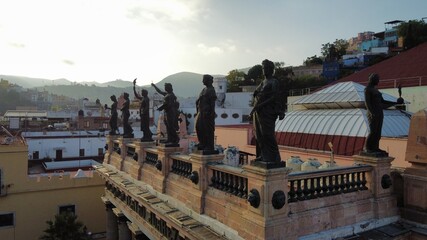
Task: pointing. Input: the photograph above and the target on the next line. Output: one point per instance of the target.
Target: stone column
(124, 232)
(379, 182)
(112, 227)
(267, 190)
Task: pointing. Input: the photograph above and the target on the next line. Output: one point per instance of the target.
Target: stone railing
(151, 158)
(229, 179)
(323, 183)
(250, 195)
(181, 166)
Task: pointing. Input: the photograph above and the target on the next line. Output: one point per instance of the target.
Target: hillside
(185, 84)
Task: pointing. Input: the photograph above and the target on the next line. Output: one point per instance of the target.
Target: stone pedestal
(110, 142)
(269, 218)
(140, 147)
(163, 166)
(199, 166)
(379, 182)
(270, 184)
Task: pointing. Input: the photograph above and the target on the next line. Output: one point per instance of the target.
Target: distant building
(315, 71)
(31, 196)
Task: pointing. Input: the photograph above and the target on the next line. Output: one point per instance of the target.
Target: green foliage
(235, 79)
(313, 60)
(308, 82)
(10, 99)
(413, 32)
(334, 50)
(255, 73)
(65, 227)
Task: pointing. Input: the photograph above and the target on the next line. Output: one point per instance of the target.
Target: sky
(105, 40)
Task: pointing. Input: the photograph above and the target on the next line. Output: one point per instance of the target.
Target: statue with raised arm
(268, 106)
(375, 104)
(205, 118)
(114, 130)
(127, 128)
(170, 108)
(144, 113)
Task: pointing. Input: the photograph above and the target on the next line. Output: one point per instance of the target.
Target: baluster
(342, 182)
(240, 187)
(245, 188)
(330, 186)
(359, 182)
(347, 182)
(236, 185)
(305, 190)
(317, 188)
(336, 185)
(299, 190)
(312, 188)
(226, 182)
(213, 179)
(292, 192)
(222, 181)
(324, 187)
(353, 182)
(190, 169)
(230, 183)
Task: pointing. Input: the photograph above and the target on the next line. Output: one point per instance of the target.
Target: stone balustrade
(250, 199)
(229, 180)
(323, 183)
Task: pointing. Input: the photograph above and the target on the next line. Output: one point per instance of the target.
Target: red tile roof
(408, 68)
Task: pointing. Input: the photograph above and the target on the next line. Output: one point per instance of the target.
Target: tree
(255, 74)
(313, 60)
(65, 227)
(334, 50)
(413, 33)
(234, 79)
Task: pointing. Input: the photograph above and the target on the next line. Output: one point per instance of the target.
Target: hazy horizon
(101, 41)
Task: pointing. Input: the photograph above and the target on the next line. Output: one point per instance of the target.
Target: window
(58, 154)
(36, 155)
(67, 208)
(100, 151)
(82, 152)
(87, 124)
(7, 219)
(105, 125)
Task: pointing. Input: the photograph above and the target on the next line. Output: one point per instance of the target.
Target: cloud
(17, 45)
(68, 62)
(163, 10)
(223, 47)
(205, 50)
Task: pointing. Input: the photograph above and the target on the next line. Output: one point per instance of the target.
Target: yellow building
(28, 201)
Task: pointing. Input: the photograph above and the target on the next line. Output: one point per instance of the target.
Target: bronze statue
(205, 119)
(268, 106)
(127, 129)
(170, 108)
(114, 130)
(144, 113)
(375, 104)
